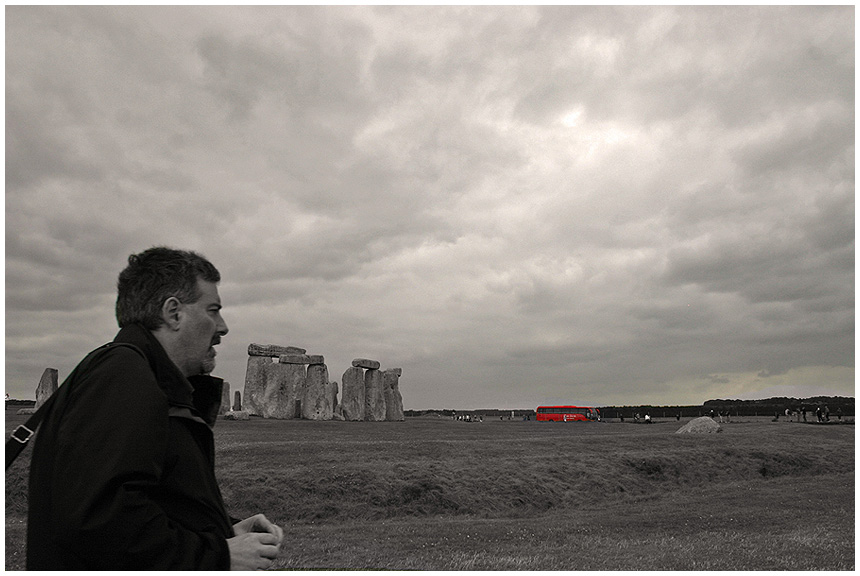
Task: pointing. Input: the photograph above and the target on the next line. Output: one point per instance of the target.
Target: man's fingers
(269, 545)
(263, 524)
(269, 552)
(267, 538)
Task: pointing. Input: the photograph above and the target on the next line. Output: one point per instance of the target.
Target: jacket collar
(175, 385)
(197, 397)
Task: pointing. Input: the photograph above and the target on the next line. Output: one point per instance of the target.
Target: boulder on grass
(237, 415)
(702, 425)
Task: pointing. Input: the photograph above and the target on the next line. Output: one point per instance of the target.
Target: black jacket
(122, 474)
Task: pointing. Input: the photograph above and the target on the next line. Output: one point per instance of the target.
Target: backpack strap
(21, 435)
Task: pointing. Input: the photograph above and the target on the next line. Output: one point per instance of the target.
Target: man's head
(173, 293)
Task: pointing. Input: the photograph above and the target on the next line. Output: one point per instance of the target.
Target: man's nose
(221, 328)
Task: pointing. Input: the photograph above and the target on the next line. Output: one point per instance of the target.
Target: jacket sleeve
(111, 454)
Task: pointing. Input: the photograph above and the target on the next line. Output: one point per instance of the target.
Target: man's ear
(171, 312)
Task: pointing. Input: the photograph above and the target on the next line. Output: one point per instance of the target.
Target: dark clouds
(515, 204)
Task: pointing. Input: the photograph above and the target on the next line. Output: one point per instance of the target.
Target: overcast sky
(515, 205)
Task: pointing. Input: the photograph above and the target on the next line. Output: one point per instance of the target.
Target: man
(122, 473)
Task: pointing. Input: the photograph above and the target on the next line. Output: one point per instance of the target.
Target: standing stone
(225, 398)
(393, 399)
(337, 411)
(374, 396)
(286, 385)
(256, 374)
(316, 404)
(271, 389)
(332, 390)
(47, 386)
(352, 401)
(237, 401)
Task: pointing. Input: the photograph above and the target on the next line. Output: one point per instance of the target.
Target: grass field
(434, 494)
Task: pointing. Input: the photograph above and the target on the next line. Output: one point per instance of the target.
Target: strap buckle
(26, 434)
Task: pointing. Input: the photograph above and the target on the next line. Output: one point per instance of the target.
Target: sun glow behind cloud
(511, 203)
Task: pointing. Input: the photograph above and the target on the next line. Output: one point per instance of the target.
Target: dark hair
(155, 275)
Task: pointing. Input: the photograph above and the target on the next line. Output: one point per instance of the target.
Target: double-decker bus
(567, 413)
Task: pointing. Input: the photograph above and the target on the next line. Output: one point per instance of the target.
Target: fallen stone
(272, 351)
(237, 415)
(365, 363)
(47, 386)
(352, 395)
(701, 425)
(26, 411)
(374, 396)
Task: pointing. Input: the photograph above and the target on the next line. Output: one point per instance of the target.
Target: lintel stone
(365, 363)
(273, 351)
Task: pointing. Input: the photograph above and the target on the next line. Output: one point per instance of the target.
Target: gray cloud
(515, 204)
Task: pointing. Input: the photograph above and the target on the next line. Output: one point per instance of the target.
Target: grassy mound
(482, 477)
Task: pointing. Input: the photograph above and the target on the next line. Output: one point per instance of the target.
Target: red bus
(567, 414)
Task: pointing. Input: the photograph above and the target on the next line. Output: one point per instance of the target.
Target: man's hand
(252, 551)
(255, 545)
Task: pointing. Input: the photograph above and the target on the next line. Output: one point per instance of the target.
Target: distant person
(818, 413)
(803, 412)
(647, 418)
(839, 413)
(827, 414)
(678, 417)
(122, 474)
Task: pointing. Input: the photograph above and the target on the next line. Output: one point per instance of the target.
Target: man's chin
(208, 366)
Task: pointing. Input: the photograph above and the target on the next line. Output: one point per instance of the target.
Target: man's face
(201, 329)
